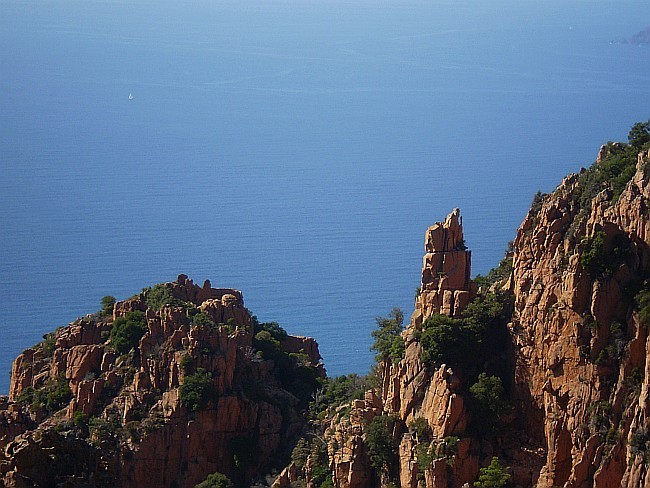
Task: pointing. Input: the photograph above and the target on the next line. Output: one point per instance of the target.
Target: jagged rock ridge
(580, 378)
(141, 431)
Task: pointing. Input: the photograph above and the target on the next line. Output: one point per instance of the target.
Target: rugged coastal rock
(577, 345)
(544, 367)
(582, 373)
(410, 390)
(446, 286)
(98, 417)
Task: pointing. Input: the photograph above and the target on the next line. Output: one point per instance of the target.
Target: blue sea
(296, 150)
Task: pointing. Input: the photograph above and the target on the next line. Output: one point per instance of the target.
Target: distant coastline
(641, 37)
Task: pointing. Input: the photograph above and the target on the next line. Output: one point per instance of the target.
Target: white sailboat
(130, 96)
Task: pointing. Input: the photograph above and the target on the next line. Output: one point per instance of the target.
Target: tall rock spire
(446, 270)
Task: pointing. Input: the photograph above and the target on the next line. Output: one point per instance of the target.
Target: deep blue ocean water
(296, 150)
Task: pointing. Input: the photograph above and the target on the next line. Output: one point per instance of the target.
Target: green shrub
(52, 397)
(187, 362)
(127, 331)
(447, 340)
(319, 464)
(321, 477)
(273, 328)
(26, 396)
(161, 296)
(216, 480)
(389, 343)
(107, 303)
(450, 444)
(337, 390)
(202, 319)
(489, 406)
(493, 476)
(614, 170)
(101, 428)
(80, 420)
(600, 414)
(602, 262)
(197, 390)
(425, 455)
(642, 302)
(49, 344)
(420, 427)
(290, 370)
(300, 453)
(467, 342)
(640, 442)
(55, 395)
(593, 257)
(639, 135)
(379, 443)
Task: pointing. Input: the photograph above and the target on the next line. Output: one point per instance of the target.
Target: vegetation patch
(336, 391)
(311, 455)
(642, 302)
(202, 319)
(107, 303)
(161, 296)
(488, 403)
(52, 397)
(49, 344)
(291, 370)
(493, 476)
(197, 390)
(379, 442)
(389, 343)
(216, 480)
(127, 331)
(613, 171)
(466, 342)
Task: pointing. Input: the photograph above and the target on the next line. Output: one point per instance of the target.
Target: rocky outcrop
(206, 388)
(410, 390)
(14, 420)
(581, 348)
(577, 341)
(446, 286)
(124, 417)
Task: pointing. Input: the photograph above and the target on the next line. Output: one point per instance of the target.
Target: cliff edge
(542, 373)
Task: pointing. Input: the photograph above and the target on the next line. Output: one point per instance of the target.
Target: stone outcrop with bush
(538, 378)
(580, 324)
(415, 427)
(162, 389)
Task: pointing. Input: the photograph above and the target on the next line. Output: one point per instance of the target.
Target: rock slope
(574, 363)
(410, 390)
(582, 373)
(81, 413)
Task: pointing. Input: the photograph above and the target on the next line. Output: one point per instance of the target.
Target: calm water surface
(296, 150)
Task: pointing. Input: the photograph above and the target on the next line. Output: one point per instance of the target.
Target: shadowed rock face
(580, 383)
(141, 433)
